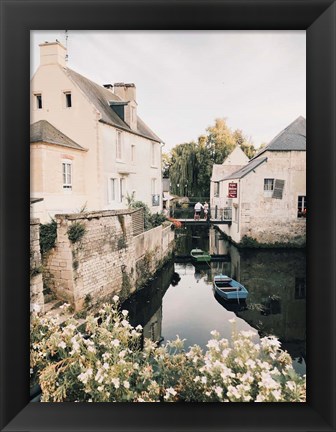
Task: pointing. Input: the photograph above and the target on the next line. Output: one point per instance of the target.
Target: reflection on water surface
(181, 301)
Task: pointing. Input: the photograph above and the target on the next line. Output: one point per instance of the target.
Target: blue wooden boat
(228, 288)
(199, 256)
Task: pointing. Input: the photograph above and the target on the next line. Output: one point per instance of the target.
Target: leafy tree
(190, 164)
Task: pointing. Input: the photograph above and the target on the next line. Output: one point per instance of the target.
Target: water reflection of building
(145, 305)
(276, 281)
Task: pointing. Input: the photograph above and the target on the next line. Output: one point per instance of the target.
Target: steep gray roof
(100, 97)
(292, 138)
(43, 131)
(246, 169)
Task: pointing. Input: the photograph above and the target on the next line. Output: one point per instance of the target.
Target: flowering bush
(176, 223)
(105, 362)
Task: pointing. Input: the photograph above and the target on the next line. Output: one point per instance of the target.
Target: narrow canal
(180, 300)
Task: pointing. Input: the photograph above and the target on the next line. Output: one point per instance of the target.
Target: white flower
(125, 313)
(116, 382)
(213, 344)
(106, 366)
(138, 327)
(291, 385)
(215, 333)
(83, 377)
(276, 394)
(232, 391)
(115, 299)
(106, 356)
(62, 345)
(247, 333)
(250, 363)
(169, 392)
(204, 380)
(91, 349)
(218, 390)
(122, 353)
(196, 379)
(115, 342)
(125, 323)
(270, 342)
(126, 384)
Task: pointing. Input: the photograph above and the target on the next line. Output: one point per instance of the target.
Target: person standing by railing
(197, 208)
(206, 210)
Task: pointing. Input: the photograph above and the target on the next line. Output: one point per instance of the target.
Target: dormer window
(38, 100)
(68, 101)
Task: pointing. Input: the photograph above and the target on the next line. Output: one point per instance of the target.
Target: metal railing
(215, 213)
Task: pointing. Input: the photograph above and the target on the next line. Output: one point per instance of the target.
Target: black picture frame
(18, 17)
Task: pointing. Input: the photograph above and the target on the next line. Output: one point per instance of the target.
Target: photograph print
(168, 216)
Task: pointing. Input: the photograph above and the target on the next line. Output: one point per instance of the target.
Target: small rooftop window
(38, 98)
(68, 102)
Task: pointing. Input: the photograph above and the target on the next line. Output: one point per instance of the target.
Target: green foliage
(250, 242)
(150, 220)
(34, 271)
(189, 165)
(48, 235)
(105, 362)
(76, 232)
(122, 244)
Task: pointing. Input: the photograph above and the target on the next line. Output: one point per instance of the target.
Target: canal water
(180, 300)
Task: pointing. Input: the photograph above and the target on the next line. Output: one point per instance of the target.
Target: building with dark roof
(89, 147)
(267, 196)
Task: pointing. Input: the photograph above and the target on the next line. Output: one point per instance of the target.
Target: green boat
(198, 255)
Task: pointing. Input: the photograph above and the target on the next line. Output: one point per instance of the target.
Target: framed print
(19, 19)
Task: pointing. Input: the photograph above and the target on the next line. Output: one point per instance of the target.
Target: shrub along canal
(180, 300)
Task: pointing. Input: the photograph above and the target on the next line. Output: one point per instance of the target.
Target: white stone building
(268, 195)
(235, 160)
(89, 147)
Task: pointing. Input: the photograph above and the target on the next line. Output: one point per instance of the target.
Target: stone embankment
(100, 254)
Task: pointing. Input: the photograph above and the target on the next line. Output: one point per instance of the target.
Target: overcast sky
(187, 79)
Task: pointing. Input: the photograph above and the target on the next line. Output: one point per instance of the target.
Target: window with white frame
(119, 145)
(216, 191)
(268, 187)
(153, 186)
(132, 153)
(122, 189)
(153, 154)
(38, 100)
(67, 175)
(68, 100)
(235, 213)
(112, 189)
(302, 206)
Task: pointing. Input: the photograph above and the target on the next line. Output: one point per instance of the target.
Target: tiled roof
(246, 169)
(43, 131)
(100, 97)
(292, 138)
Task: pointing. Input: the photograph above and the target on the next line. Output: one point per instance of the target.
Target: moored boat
(228, 288)
(198, 255)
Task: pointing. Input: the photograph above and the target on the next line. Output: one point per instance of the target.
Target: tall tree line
(189, 165)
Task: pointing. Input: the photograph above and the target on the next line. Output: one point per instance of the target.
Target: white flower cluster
(109, 364)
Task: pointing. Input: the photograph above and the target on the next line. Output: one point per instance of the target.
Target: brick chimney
(127, 93)
(52, 53)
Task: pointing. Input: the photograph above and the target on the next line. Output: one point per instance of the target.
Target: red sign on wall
(233, 188)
